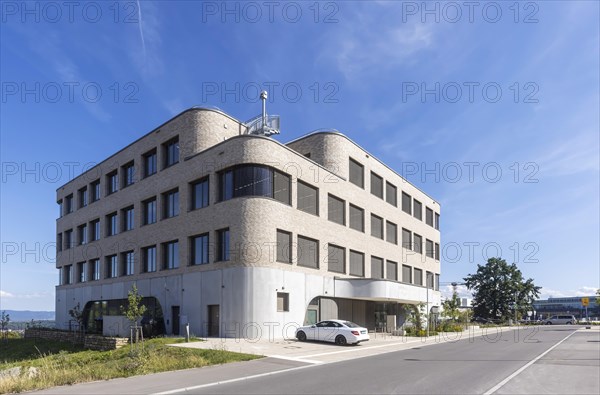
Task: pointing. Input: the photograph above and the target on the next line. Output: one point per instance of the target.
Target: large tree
(497, 286)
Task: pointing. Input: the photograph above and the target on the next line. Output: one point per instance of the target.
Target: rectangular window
(406, 203)
(111, 224)
(357, 173)
(171, 255)
(60, 208)
(112, 182)
(406, 274)
(437, 221)
(95, 186)
(95, 269)
(150, 211)
(308, 198)
(128, 218)
(199, 194)
(95, 230)
(68, 239)
(200, 249)
(82, 271)
(171, 203)
(128, 263)
(391, 232)
(437, 252)
(171, 152)
(336, 259)
(430, 280)
(391, 194)
(336, 210)
(308, 252)
(283, 301)
(281, 187)
(59, 242)
(357, 218)
(150, 163)
(376, 226)
(418, 273)
(376, 185)
(83, 197)
(376, 267)
(112, 266)
(391, 270)
(284, 244)
(437, 282)
(429, 248)
(82, 234)
(149, 256)
(406, 239)
(417, 210)
(226, 181)
(68, 273)
(429, 216)
(223, 247)
(69, 204)
(357, 263)
(417, 243)
(128, 174)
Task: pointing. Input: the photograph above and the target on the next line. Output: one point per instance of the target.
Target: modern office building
(230, 231)
(572, 305)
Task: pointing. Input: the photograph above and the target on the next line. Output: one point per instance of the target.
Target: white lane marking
(296, 359)
(528, 364)
(195, 387)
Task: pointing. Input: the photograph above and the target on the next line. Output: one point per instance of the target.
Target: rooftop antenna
(263, 125)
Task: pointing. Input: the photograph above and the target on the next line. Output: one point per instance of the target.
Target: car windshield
(350, 324)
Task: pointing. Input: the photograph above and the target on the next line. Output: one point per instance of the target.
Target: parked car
(561, 320)
(338, 331)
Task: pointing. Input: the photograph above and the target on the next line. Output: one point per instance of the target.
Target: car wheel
(548, 323)
(301, 336)
(569, 323)
(340, 340)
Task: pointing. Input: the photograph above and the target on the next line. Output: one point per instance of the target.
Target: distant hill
(26, 315)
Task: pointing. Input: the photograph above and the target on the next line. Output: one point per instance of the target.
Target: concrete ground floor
(244, 302)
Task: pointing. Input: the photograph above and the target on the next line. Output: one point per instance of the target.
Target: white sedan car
(338, 331)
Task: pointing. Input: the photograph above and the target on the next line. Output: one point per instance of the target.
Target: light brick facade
(248, 286)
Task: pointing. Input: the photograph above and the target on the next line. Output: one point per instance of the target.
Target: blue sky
(493, 111)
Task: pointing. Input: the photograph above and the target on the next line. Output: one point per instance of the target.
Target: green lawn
(63, 363)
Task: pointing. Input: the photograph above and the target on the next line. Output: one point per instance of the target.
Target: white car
(561, 320)
(338, 331)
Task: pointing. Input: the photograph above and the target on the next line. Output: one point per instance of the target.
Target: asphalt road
(471, 366)
(547, 359)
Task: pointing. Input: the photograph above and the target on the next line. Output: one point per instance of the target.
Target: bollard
(187, 332)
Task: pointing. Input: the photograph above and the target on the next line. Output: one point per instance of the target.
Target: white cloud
(34, 295)
(546, 293)
(7, 295)
(369, 41)
(461, 290)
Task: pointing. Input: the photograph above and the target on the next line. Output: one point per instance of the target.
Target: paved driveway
(321, 352)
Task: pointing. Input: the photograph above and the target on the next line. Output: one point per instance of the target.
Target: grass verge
(57, 363)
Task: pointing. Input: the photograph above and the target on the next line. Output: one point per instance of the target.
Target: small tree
(598, 297)
(77, 316)
(4, 320)
(134, 312)
(451, 305)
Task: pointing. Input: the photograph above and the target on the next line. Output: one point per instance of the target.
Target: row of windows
(379, 227)
(170, 208)
(348, 261)
(92, 192)
(410, 205)
(125, 266)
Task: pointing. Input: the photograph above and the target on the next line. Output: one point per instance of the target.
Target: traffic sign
(585, 302)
